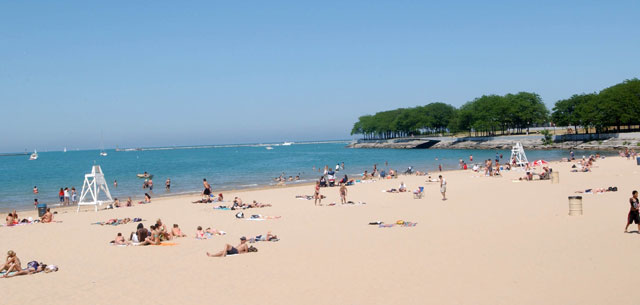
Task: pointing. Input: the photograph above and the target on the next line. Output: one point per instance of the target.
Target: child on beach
(176, 232)
(200, 233)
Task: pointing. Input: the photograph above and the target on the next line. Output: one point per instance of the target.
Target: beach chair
(419, 193)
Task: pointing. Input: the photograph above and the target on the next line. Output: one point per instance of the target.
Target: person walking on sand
(343, 194)
(316, 195)
(634, 214)
(443, 187)
(207, 189)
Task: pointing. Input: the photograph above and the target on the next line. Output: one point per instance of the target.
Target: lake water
(226, 167)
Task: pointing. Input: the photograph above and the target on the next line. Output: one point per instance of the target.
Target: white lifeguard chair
(93, 184)
(517, 153)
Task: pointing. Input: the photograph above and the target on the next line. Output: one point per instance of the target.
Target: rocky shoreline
(577, 142)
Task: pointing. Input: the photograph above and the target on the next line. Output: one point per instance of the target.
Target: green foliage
(616, 106)
(548, 138)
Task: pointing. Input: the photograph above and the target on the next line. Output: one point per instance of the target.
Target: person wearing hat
(12, 263)
(231, 250)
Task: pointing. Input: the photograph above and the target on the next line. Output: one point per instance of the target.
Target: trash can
(555, 177)
(42, 208)
(575, 205)
(638, 160)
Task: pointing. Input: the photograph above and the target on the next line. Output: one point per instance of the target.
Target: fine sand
(494, 241)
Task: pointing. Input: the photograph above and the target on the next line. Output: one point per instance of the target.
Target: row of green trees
(612, 107)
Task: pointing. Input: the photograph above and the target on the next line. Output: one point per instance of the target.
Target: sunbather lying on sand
(256, 204)
(34, 267)
(267, 237)
(230, 250)
(120, 240)
(205, 200)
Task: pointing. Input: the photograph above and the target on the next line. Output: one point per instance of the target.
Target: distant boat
(269, 148)
(34, 155)
(287, 143)
(64, 150)
(102, 152)
(145, 175)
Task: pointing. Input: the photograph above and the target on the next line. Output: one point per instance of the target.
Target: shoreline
(183, 195)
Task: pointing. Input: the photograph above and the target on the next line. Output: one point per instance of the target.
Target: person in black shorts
(231, 250)
(207, 189)
(634, 214)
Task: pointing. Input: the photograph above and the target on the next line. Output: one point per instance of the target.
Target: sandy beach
(495, 241)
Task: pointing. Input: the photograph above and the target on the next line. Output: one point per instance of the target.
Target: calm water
(224, 167)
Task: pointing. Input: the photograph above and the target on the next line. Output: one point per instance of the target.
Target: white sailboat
(102, 152)
(34, 155)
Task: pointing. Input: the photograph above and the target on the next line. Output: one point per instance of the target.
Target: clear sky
(156, 73)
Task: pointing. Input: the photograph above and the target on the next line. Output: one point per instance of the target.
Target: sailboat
(64, 150)
(287, 143)
(102, 152)
(34, 155)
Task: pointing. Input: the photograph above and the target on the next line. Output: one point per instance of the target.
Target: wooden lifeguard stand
(94, 182)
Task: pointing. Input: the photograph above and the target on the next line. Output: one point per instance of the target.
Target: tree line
(488, 115)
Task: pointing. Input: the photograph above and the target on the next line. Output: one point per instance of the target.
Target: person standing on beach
(316, 195)
(66, 196)
(634, 215)
(150, 185)
(343, 194)
(443, 187)
(207, 189)
(35, 203)
(61, 195)
(167, 184)
(74, 195)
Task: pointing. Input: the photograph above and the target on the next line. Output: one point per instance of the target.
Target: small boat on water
(64, 150)
(269, 148)
(102, 153)
(145, 176)
(34, 155)
(287, 143)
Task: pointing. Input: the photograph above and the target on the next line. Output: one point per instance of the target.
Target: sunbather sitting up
(12, 263)
(176, 232)
(47, 217)
(120, 240)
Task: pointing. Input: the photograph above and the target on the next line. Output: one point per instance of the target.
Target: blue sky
(155, 73)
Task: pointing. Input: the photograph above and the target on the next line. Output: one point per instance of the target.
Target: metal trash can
(575, 205)
(638, 160)
(555, 177)
(42, 209)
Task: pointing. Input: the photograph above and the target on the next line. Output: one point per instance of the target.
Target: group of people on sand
(142, 236)
(13, 266)
(239, 204)
(210, 199)
(12, 218)
(67, 196)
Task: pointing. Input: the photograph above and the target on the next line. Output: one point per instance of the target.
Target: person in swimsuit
(154, 238)
(47, 217)
(9, 219)
(443, 187)
(207, 189)
(120, 240)
(316, 195)
(35, 190)
(343, 194)
(230, 250)
(167, 184)
(12, 263)
(634, 214)
(176, 232)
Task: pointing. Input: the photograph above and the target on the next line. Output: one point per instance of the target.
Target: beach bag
(252, 249)
(240, 215)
